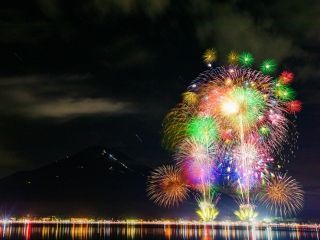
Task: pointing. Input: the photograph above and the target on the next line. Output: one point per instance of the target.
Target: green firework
(268, 66)
(246, 59)
(264, 130)
(251, 105)
(284, 92)
(203, 129)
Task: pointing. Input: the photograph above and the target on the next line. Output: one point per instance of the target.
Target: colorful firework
(166, 186)
(283, 195)
(252, 165)
(242, 107)
(229, 129)
(190, 148)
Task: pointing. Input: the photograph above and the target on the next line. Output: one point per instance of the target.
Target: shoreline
(218, 224)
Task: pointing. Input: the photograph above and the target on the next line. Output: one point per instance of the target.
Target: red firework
(294, 106)
(286, 77)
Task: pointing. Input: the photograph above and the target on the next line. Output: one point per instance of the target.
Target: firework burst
(166, 186)
(283, 195)
(246, 212)
(207, 211)
(175, 125)
(209, 56)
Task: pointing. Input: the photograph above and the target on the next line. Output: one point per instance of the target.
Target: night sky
(78, 73)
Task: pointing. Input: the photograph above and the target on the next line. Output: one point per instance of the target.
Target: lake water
(148, 232)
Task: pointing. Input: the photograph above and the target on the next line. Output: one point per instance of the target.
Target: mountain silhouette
(96, 182)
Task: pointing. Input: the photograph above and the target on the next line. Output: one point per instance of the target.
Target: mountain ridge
(96, 181)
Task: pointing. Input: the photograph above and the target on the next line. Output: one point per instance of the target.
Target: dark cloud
(45, 96)
(229, 29)
(68, 107)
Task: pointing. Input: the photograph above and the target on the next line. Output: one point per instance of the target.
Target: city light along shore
(259, 225)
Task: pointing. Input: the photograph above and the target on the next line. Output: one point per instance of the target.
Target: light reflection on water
(170, 232)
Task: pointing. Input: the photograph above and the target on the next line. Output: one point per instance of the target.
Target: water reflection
(30, 231)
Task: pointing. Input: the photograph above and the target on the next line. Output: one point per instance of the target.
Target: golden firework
(166, 186)
(209, 56)
(246, 212)
(233, 58)
(207, 211)
(190, 98)
(175, 125)
(283, 195)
